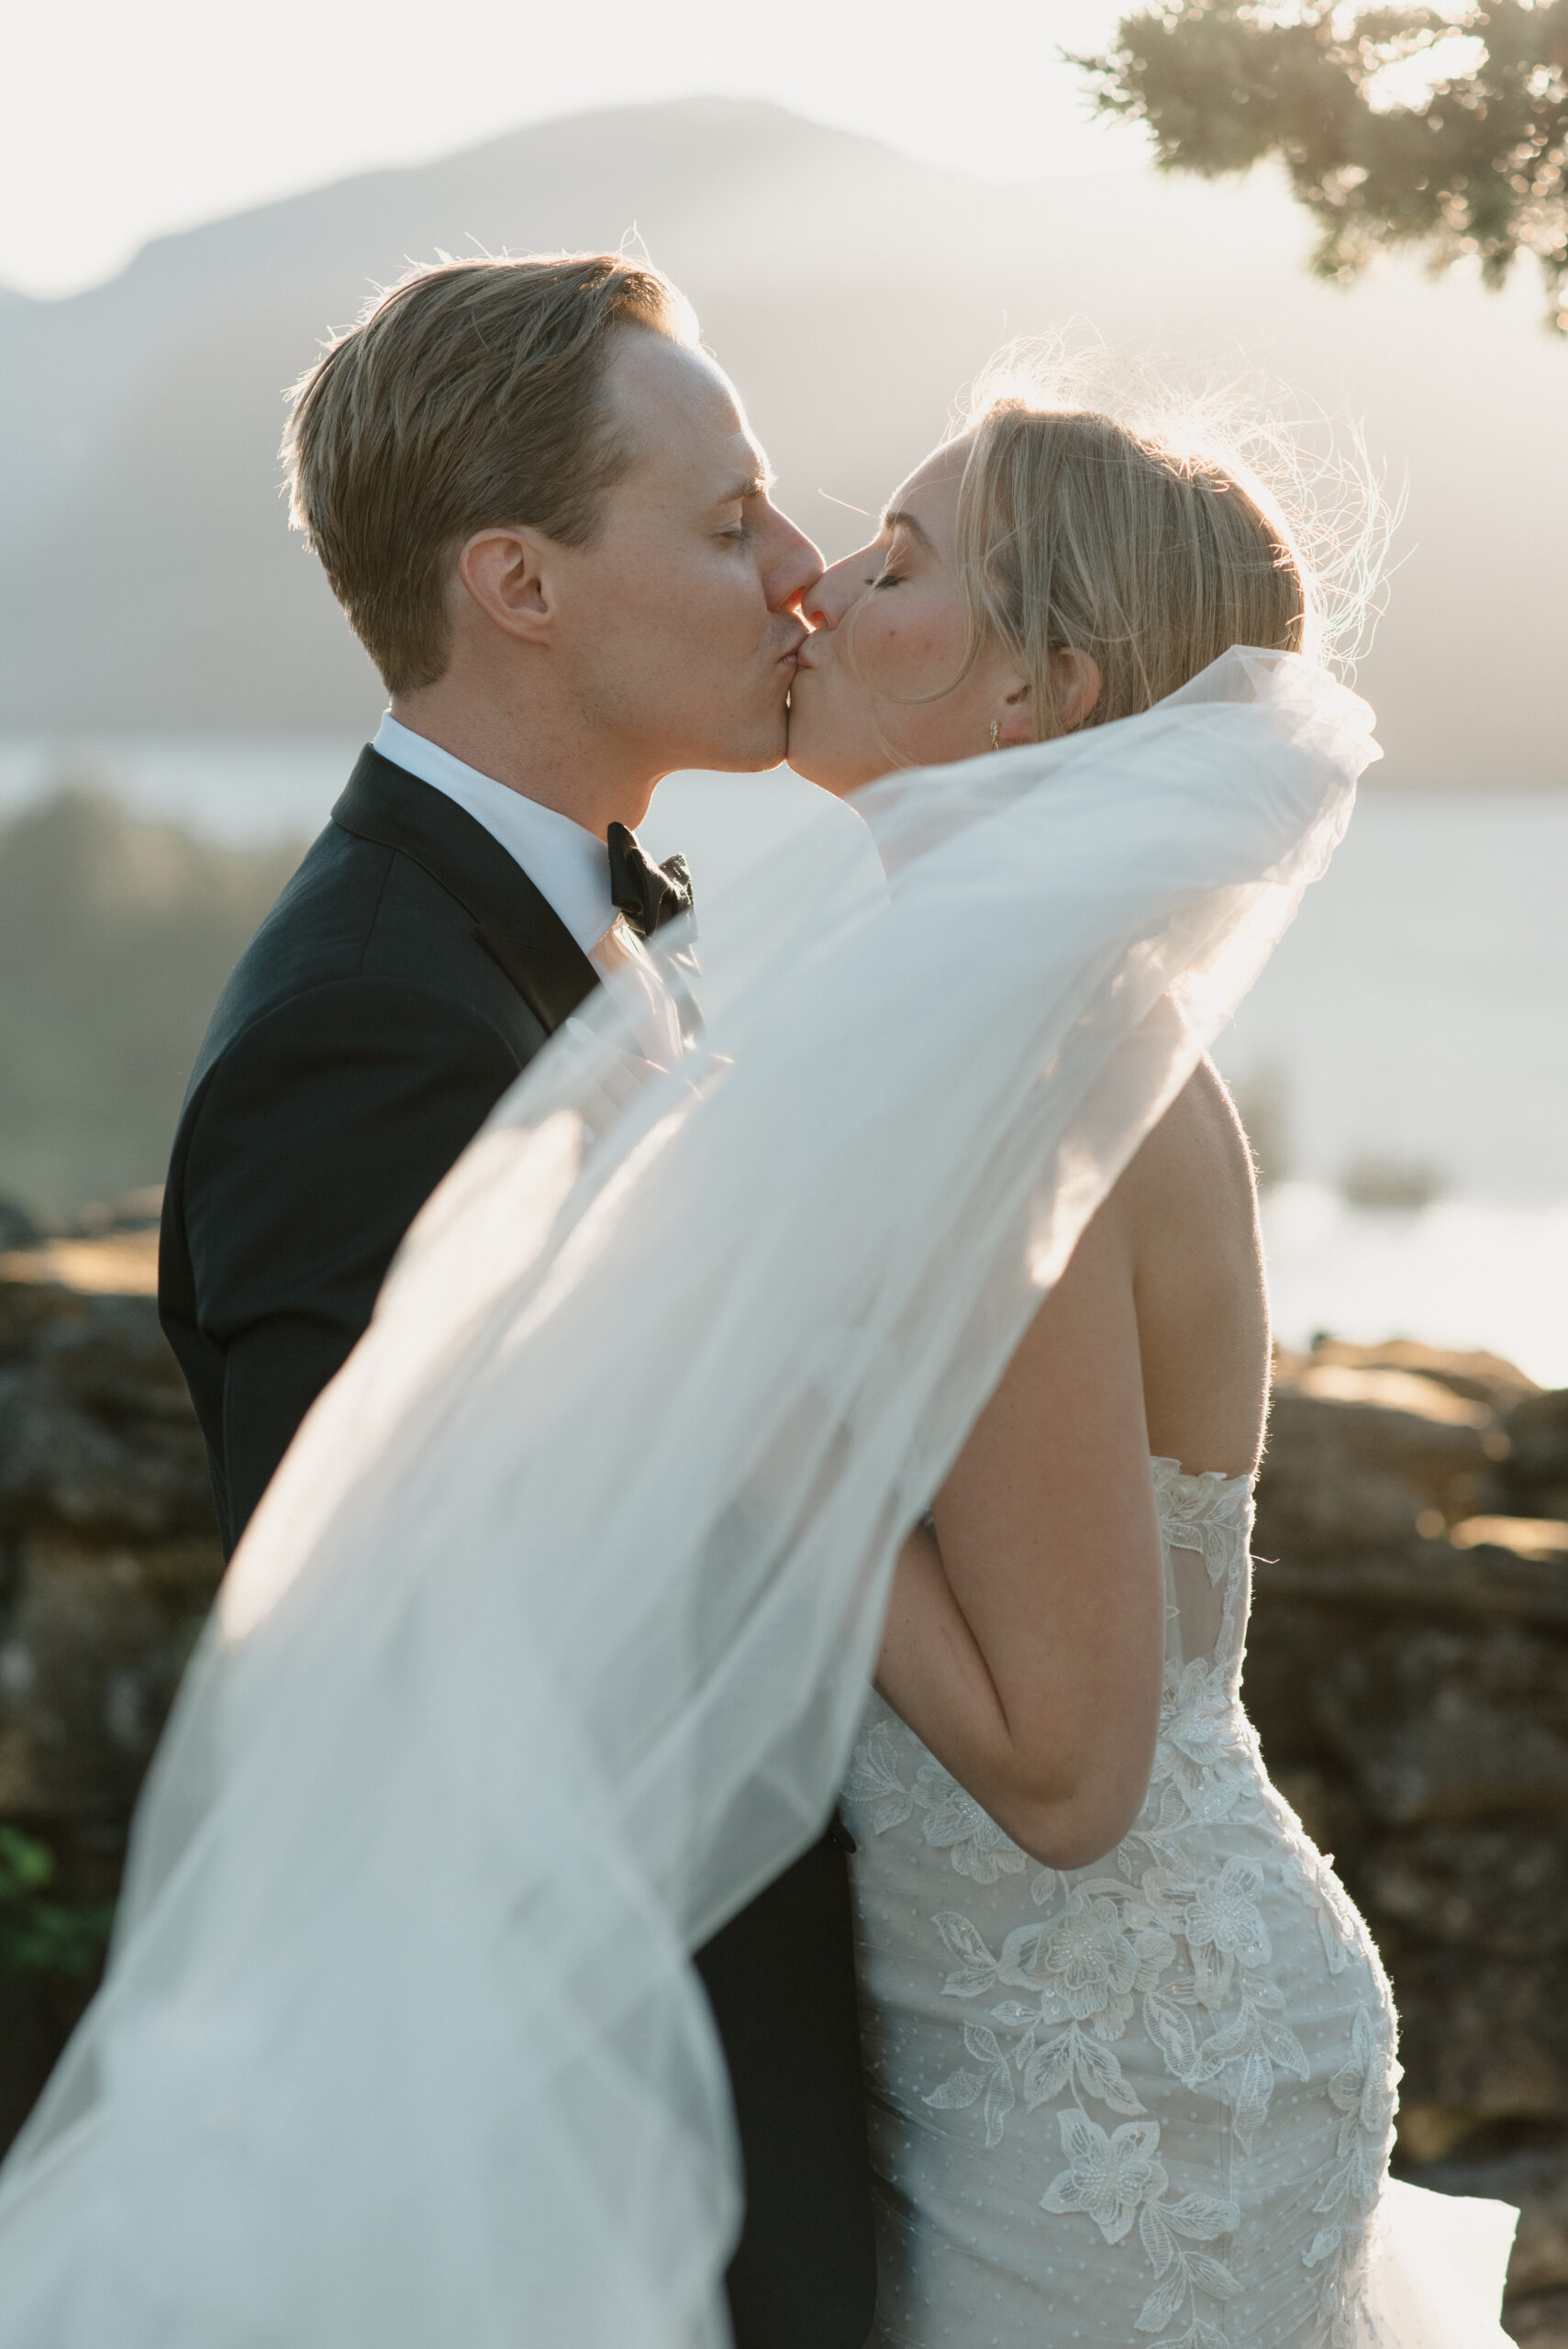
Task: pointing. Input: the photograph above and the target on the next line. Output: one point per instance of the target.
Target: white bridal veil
(546, 1648)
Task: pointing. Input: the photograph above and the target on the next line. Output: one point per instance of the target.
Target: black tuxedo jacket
(407, 973)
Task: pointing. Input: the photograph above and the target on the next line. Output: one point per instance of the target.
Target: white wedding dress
(1149, 2099)
(547, 1645)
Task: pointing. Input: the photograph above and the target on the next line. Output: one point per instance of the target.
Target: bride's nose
(825, 604)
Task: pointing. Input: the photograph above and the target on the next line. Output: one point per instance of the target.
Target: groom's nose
(794, 566)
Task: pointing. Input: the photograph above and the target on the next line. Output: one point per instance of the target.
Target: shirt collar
(567, 864)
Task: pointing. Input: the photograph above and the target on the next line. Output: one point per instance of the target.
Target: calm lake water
(1412, 1030)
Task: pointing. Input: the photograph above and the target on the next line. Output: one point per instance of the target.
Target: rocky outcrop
(1407, 1668)
(1538, 1465)
(109, 1562)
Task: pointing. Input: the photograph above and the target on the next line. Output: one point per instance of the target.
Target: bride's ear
(1076, 678)
(1015, 722)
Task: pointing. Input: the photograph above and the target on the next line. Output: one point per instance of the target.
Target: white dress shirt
(567, 865)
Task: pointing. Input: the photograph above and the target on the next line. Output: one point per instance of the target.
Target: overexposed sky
(119, 122)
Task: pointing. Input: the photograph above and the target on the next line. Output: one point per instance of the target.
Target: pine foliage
(1444, 129)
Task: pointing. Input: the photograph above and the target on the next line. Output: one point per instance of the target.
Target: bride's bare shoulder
(1196, 1157)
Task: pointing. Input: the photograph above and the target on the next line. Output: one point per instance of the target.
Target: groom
(544, 514)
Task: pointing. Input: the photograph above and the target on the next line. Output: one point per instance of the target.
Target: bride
(551, 1640)
(1145, 2091)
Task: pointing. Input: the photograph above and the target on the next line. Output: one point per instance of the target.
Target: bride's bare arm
(1025, 1644)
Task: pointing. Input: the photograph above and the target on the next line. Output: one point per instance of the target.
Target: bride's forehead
(934, 482)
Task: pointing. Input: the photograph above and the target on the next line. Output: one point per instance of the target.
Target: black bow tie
(649, 894)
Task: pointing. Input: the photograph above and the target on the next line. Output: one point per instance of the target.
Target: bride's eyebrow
(895, 519)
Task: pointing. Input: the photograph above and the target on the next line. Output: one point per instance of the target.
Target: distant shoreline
(113, 759)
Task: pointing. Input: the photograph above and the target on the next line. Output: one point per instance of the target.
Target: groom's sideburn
(406, 976)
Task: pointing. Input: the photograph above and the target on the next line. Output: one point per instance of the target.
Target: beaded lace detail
(1171, 1929)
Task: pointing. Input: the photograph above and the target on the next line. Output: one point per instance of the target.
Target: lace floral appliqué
(1364, 2092)
(1117, 2178)
(954, 1823)
(1176, 1938)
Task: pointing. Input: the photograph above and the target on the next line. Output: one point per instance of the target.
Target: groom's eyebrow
(752, 484)
(893, 517)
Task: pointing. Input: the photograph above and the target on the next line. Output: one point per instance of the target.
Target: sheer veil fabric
(547, 1648)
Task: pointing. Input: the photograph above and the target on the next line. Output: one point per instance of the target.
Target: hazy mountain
(148, 581)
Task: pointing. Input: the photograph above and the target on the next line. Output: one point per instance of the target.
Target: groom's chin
(761, 747)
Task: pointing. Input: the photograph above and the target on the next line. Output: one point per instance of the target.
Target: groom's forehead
(679, 409)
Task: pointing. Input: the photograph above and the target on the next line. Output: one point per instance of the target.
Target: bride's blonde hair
(1134, 529)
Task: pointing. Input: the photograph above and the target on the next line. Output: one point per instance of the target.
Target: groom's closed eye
(735, 501)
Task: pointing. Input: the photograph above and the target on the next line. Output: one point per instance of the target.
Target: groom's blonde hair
(470, 395)
(1141, 537)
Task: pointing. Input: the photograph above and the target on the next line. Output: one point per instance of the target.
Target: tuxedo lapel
(514, 921)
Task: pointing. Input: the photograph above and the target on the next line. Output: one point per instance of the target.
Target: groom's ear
(506, 573)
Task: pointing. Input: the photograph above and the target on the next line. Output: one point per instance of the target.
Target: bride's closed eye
(895, 562)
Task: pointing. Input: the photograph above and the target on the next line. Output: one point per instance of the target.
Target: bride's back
(1190, 1209)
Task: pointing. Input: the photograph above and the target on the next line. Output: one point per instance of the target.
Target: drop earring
(995, 733)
